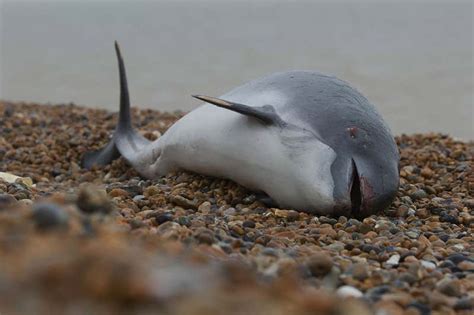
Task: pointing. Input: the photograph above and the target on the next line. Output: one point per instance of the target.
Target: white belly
(290, 165)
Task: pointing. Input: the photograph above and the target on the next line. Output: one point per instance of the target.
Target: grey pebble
(49, 216)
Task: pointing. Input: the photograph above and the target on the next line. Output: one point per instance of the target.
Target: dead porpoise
(309, 141)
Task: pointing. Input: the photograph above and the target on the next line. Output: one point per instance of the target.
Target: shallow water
(413, 60)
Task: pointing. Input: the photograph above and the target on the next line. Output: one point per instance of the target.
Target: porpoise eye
(352, 132)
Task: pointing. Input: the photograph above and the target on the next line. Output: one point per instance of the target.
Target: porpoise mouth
(355, 191)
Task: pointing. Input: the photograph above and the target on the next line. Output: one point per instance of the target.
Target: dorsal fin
(265, 114)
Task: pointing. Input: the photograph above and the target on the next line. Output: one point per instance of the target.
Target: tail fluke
(101, 157)
(125, 141)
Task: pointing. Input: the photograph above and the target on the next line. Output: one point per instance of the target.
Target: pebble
(450, 287)
(91, 199)
(466, 265)
(359, 271)
(248, 224)
(428, 265)
(457, 258)
(183, 202)
(347, 291)
(151, 191)
(419, 194)
(138, 198)
(465, 303)
(393, 260)
(11, 178)
(48, 216)
(319, 264)
(6, 200)
(117, 192)
(205, 207)
(422, 309)
(164, 217)
(205, 236)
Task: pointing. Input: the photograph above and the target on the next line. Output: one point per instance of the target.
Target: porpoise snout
(373, 187)
(369, 189)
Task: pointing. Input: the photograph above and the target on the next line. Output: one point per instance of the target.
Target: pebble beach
(107, 241)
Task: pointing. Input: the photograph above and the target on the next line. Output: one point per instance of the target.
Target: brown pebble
(183, 202)
(205, 207)
(319, 264)
(151, 191)
(117, 192)
(450, 287)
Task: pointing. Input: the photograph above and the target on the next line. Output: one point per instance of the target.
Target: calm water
(413, 60)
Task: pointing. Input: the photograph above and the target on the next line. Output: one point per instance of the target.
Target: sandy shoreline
(107, 241)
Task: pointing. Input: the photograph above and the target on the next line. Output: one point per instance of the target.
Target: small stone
(464, 303)
(319, 264)
(183, 202)
(25, 202)
(412, 234)
(49, 216)
(329, 231)
(324, 219)
(205, 236)
(91, 199)
(457, 258)
(164, 217)
(402, 211)
(249, 199)
(422, 213)
(293, 215)
(450, 287)
(466, 265)
(336, 247)
(347, 291)
(422, 309)
(237, 229)
(183, 220)
(205, 207)
(11, 178)
(364, 228)
(248, 224)
(138, 198)
(230, 212)
(444, 217)
(393, 260)
(170, 230)
(117, 192)
(426, 172)
(419, 194)
(6, 200)
(151, 191)
(375, 293)
(430, 266)
(136, 223)
(408, 278)
(281, 213)
(359, 271)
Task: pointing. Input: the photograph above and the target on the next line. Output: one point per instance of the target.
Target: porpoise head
(365, 172)
(366, 169)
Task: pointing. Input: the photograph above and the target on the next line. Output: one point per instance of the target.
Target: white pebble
(458, 247)
(428, 265)
(393, 260)
(348, 291)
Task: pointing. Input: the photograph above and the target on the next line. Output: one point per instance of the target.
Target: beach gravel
(107, 241)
